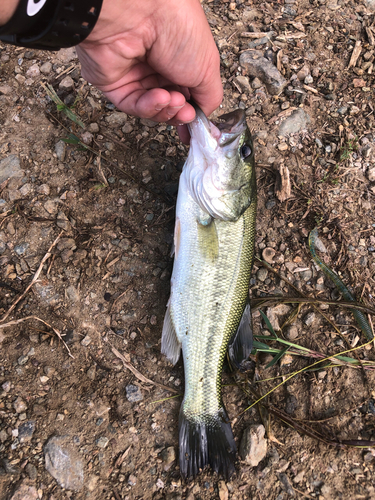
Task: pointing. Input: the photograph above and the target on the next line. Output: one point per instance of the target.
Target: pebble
(86, 341)
(87, 137)
(33, 71)
(46, 68)
(168, 455)
(371, 174)
(116, 119)
(66, 83)
(25, 491)
(133, 393)
(60, 150)
(21, 248)
(253, 447)
(262, 274)
(72, 293)
(285, 484)
(243, 83)
(10, 167)
(44, 189)
(297, 121)
(223, 491)
(309, 318)
(19, 405)
(102, 442)
(93, 128)
(127, 128)
(5, 89)
(63, 463)
(31, 471)
(303, 72)
(308, 80)
(26, 431)
(291, 332)
(258, 66)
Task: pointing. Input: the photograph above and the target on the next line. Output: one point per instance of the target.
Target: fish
(208, 312)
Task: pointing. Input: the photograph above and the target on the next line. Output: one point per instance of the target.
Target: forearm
(7, 9)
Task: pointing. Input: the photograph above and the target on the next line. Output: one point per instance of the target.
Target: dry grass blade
(36, 276)
(138, 374)
(21, 320)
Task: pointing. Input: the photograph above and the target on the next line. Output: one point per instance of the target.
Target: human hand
(149, 56)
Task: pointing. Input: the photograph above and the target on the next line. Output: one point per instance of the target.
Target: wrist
(7, 9)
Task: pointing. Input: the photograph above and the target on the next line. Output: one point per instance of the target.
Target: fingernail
(172, 110)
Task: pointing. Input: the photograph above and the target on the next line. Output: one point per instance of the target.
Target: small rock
(309, 318)
(10, 167)
(21, 249)
(223, 491)
(92, 483)
(256, 84)
(33, 71)
(296, 122)
(64, 463)
(262, 274)
(168, 455)
(60, 150)
(72, 293)
(132, 480)
(19, 405)
(93, 128)
(66, 83)
(292, 332)
(371, 174)
(31, 471)
(308, 80)
(102, 442)
(46, 68)
(5, 89)
(26, 431)
(91, 372)
(133, 393)
(303, 72)
(25, 492)
(44, 189)
(253, 447)
(243, 83)
(87, 137)
(258, 66)
(127, 128)
(285, 484)
(51, 206)
(116, 120)
(268, 254)
(86, 341)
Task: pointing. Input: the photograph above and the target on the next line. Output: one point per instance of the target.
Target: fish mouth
(221, 132)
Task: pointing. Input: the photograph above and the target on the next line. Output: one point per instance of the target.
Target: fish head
(220, 166)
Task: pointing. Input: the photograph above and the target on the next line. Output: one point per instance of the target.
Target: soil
(104, 288)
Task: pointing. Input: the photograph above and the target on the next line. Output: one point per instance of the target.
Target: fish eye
(245, 151)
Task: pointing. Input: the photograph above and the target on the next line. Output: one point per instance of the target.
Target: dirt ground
(104, 286)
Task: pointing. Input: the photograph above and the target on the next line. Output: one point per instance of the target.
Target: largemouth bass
(208, 312)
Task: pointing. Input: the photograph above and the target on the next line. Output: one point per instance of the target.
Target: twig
(138, 374)
(36, 276)
(17, 321)
(355, 54)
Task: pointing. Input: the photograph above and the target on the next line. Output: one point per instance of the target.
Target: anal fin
(241, 344)
(170, 345)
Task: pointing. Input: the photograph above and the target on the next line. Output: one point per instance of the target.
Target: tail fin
(206, 441)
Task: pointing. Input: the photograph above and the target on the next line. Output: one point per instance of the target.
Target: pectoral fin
(170, 346)
(241, 344)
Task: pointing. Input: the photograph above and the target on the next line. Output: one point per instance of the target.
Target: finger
(209, 93)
